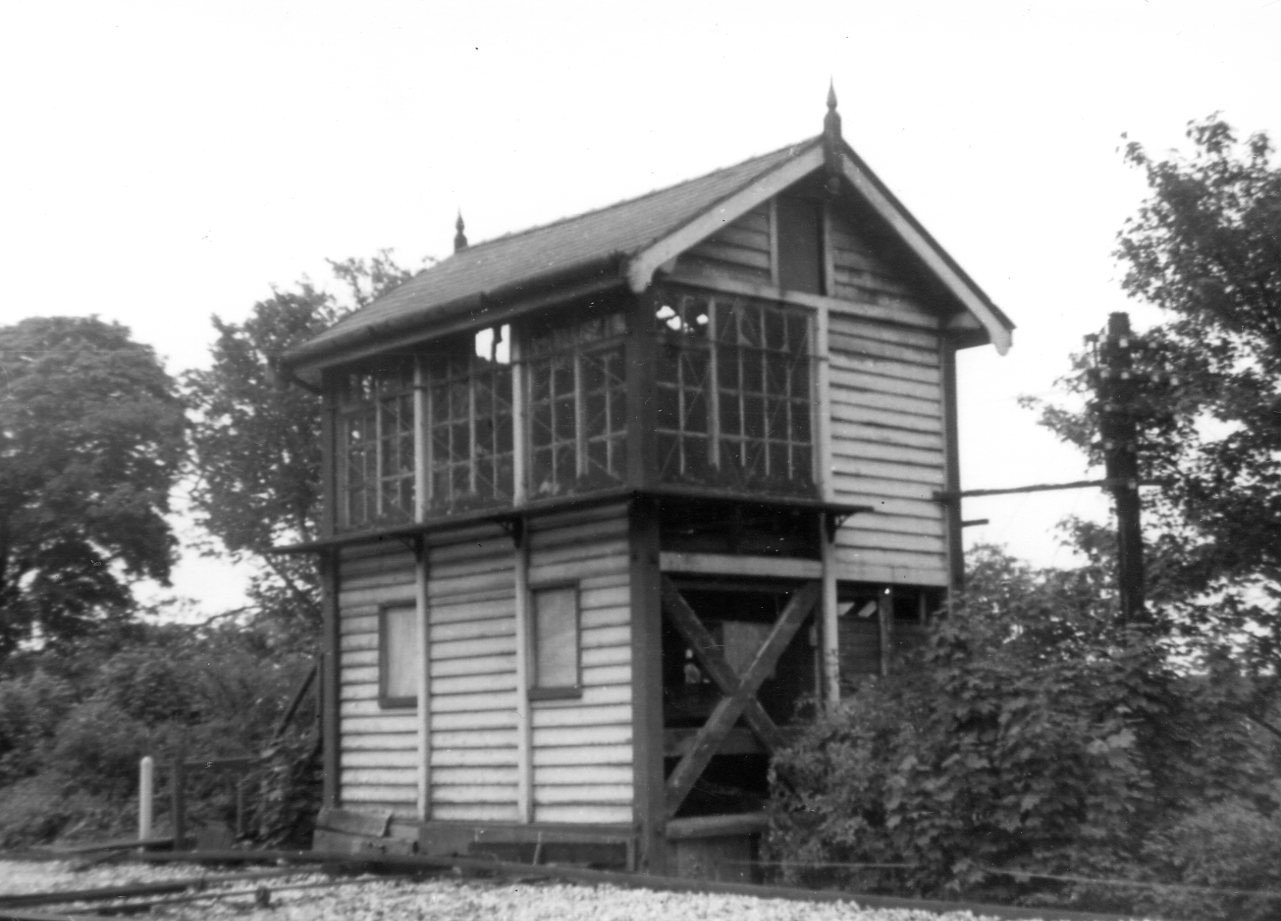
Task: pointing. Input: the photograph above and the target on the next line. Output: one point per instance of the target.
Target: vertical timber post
(649, 792)
(146, 796)
(1121, 452)
(952, 468)
(329, 675)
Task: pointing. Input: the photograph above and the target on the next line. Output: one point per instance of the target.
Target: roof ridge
(795, 146)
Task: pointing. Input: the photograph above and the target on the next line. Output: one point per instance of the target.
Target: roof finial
(832, 121)
(832, 142)
(460, 238)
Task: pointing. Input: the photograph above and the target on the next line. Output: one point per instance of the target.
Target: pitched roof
(573, 245)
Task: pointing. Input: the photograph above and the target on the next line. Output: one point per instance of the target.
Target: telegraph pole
(1116, 388)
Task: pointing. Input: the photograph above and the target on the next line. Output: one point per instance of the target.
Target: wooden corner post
(647, 688)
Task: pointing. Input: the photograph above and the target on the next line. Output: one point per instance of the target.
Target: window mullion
(712, 388)
(580, 414)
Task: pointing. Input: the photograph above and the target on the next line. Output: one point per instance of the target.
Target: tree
(91, 441)
(1205, 248)
(256, 438)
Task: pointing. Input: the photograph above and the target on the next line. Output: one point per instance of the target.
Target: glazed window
(468, 421)
(398, 656)
(577, 404)
(375, 430)
(555, 671)
(735, 394)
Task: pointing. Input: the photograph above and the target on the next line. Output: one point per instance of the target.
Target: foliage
(1032, 735)
(1227, 845)
(91, 439)
(71, 733)
(256, 437)
(1205, 248)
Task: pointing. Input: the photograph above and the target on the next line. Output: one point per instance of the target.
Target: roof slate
(526, 257)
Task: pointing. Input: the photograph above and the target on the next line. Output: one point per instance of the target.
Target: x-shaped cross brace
(739, 691)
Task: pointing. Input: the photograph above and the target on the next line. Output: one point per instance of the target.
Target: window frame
(384, 410)
(386, 699)
(562, 344)
(485, 460)
(536, 690)
(702, 349)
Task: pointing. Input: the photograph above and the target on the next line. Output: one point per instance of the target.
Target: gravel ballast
(403, 899)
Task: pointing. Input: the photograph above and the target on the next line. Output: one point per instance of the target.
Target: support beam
(742, 701)
(647, 687)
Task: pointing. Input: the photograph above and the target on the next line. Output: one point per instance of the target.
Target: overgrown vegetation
(74, 725)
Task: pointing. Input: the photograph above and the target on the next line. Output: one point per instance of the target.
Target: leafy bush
(1031, 734)
(1228, 845)
(72, 731)
(30, 709)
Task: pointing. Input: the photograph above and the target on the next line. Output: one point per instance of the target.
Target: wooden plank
(584, 775)
(607, 655)
(608, 715)
(601, 815)
(609, 637)
(715, 826)
(847, 411)
(491, 719)
(476, 812)
(866, 449)
(886, 471)
(869, 324)
(354, 822)
(504, 680)
(581, 736)
(475, 665)
(464, 757)
(474, 629)
(607, 676)
(731, 565)
(595, 754)
(495, 646)
(475, 794)
(866, 379)
(498, 737)
(586, 794)
(848, 342)
(504, 774)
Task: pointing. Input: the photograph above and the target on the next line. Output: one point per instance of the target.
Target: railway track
(293, 871)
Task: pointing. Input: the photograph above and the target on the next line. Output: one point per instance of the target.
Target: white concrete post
(146, 789)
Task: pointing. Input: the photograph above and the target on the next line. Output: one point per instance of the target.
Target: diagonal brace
(740, 691)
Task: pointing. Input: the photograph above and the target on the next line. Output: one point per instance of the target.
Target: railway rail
(257, 888)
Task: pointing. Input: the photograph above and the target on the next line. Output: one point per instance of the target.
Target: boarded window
(577, 404)
(398, 657)
(468, 420)
(375, 429)
(555, 641)
(735, 394)
(800, 245)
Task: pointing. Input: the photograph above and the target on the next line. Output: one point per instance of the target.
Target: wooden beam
(647, 686)
(952, 465)
(712, 659)
(330, 646)
(725, 564)
(524, 649)
(742, 702)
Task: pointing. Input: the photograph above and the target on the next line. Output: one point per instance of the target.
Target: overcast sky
(167, 161)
